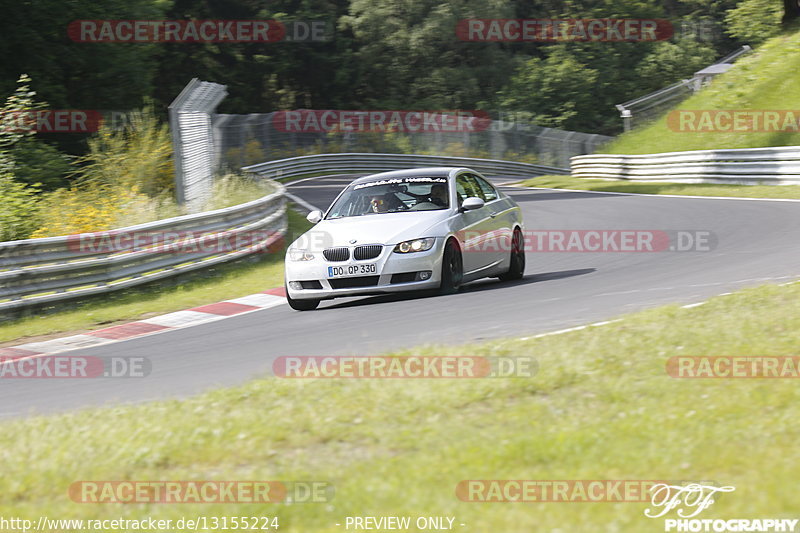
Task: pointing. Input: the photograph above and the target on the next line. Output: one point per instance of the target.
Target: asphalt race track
(756, 243)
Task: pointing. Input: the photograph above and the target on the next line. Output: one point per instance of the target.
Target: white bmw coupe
(406, 230)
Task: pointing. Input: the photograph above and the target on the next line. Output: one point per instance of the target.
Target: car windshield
(393, 195)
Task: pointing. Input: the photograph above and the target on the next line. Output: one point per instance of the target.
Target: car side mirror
(472, 203)
(314, 216)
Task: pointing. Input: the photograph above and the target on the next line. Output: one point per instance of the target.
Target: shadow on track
(490, 284)
(476, 286)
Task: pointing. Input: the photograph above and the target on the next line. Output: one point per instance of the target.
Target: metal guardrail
(745, 166)
(54, 269)
(369, 162)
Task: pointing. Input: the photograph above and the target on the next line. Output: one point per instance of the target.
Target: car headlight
(417, 245)
(300, 255)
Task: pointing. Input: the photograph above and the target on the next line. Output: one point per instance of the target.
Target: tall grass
(127, 179)
(139, 156)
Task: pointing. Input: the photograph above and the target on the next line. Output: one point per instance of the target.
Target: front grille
(351, 283)
(405, 277)
(311, 284)
(370, 251)
(336, 254)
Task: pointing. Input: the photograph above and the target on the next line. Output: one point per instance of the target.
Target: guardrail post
(193, 148)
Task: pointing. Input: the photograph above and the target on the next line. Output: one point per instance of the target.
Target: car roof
(410, 172)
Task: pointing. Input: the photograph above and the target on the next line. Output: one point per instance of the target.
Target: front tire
(301, 305)
(452, 268)
(517, 267)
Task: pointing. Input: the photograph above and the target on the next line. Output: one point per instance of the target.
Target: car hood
(385, 228)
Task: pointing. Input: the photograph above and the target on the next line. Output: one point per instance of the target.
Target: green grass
(766, 79)
(689, 189)
(218, 283)
(601, 407)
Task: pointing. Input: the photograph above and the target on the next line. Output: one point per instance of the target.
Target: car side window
(467, 187)
(461, 189)
(489, 192)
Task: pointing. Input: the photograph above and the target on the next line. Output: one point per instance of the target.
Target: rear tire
(301, 305)
(452, 268)
(517, 267)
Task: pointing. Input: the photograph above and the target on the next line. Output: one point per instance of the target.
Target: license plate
(352, 270)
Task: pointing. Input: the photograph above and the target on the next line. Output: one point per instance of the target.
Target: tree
(555, 90)
(791, 11)
(670, 62)
(407, 54)
(754, 21)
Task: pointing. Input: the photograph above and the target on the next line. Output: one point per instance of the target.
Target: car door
(476, 227)
(501, 214)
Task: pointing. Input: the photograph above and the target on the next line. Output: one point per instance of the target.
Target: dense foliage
(382, 54)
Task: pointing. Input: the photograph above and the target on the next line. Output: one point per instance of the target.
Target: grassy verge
(688, 189)
(764, 80)
(219, 283)
(601, 407)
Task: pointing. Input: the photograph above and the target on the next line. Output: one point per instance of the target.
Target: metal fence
(745, 166)
(190, 126)
(36, 272)
(646, 108)
(242, 140)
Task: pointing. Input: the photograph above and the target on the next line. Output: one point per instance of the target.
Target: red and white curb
(150, 326)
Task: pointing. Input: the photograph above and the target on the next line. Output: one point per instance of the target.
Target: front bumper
(388, 264)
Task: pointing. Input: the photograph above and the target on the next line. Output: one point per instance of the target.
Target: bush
(139, 155)
(80, 210)
(125, 179)
(92, 207)
(18, 208)
(39, 162)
